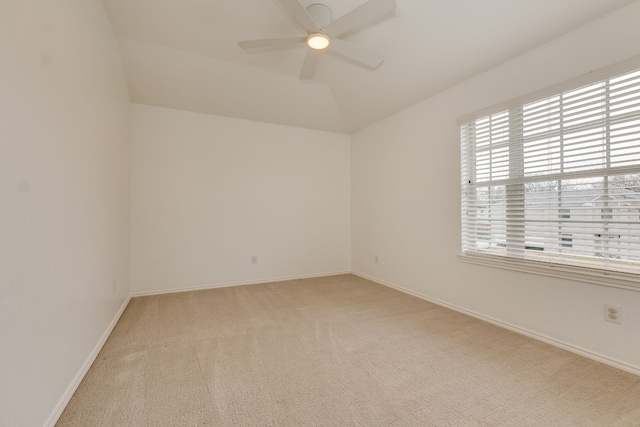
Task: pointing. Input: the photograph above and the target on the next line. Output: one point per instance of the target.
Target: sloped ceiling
(183, 54)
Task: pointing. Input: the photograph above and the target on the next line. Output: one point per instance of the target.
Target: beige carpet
(335, 351)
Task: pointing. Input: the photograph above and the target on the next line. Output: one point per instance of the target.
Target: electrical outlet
(114, 283)
(254, 259)
(376, 259)
(613, 313)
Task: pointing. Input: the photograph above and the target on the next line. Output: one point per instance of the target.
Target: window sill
(582, 274)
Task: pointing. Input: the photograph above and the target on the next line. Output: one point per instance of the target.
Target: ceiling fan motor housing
(321, 14)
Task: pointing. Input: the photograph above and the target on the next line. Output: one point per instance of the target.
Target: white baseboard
(68, 394)
(531, 334)
(229, 284)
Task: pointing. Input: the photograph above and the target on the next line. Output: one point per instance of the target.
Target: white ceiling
(183, 54)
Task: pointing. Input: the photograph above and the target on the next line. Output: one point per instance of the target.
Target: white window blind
(558, 179)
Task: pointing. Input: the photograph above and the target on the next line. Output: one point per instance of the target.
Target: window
(557, 180)
(606, 213)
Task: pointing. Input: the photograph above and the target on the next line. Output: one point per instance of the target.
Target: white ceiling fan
(323, 33)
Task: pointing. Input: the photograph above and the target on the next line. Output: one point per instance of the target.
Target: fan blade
(355, 53)
(310, 64)
(282, 42)
(300, 14)
(369, 12)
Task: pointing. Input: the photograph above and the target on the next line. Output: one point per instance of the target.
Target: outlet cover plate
(613, 313)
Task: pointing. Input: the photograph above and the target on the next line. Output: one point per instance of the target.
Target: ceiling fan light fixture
(318, 41)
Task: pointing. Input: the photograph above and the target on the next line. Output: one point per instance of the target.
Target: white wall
(64, 198)
(406, 201)
(209, 192)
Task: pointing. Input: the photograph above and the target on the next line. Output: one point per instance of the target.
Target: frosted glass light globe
(318, 41)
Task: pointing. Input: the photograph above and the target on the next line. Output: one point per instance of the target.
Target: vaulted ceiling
(183, 54)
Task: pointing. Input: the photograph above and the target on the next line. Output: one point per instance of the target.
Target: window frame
(589, 274)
